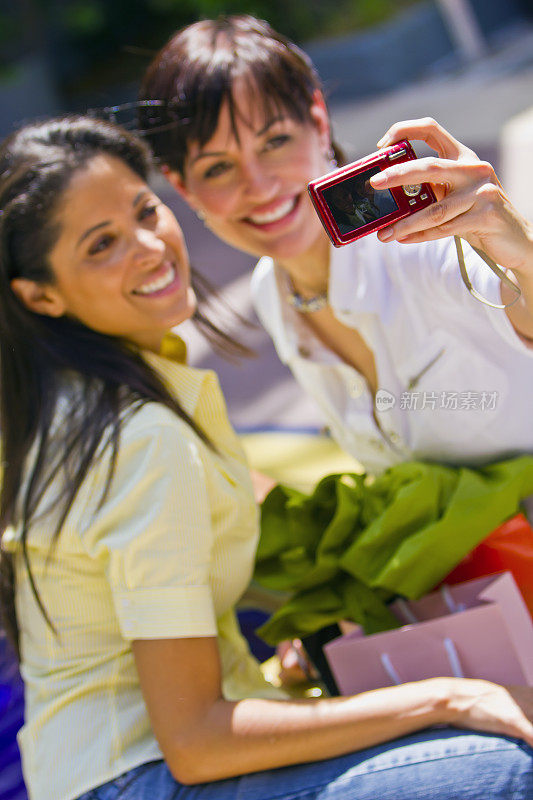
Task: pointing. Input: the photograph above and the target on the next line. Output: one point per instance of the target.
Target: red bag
(509, 547)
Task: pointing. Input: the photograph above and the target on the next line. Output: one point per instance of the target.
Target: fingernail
(378, 179)
(383, 141)
(385, 235)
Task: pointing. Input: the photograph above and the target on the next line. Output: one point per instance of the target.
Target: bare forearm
(205, 738)
(254, 735)
(521, 313)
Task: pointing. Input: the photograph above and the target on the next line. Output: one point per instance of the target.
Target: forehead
(101, 168)
(96, 192)
(245, 109)
(101, 181)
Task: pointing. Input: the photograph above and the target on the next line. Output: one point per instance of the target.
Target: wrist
(461, 697)
(523, 268)
(442, 700)
(421, 703)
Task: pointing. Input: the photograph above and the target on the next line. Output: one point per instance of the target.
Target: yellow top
(167, 555)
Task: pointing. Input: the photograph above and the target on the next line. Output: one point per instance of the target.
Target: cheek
(173, 235)
(219, 202)
(317, 165)
(91, 289)
(211, 198)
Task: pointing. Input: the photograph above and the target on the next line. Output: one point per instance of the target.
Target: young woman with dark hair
(240, 129)
(129, 529)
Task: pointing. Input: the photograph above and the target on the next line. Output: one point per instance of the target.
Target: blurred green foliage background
(96, 42)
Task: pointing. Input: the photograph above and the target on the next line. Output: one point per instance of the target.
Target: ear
(41, 298)
(320, 117)
(177, 182)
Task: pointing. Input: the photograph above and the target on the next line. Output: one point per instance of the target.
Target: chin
(191, 304)
(185, 310)
(296, 247)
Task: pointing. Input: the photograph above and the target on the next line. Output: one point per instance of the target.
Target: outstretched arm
(471, 204)
(204, 737)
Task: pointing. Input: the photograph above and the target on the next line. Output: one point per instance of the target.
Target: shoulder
(158, 462)
(154, 445)
(371, 274)
(154, 434)
(153, 419)
(369, 256)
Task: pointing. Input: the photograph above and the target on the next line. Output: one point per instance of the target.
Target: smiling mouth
(158, 284)
(275, 215)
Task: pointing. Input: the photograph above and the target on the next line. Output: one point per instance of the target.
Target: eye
(101, 244)
(220, 168)
(148, 211)
(277, 141)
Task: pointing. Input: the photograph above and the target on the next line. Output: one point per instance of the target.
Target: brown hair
(194, 73)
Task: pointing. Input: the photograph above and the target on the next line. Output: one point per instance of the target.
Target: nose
(259, 183)
(149, 248)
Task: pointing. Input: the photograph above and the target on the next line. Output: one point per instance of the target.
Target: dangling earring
(200, 214)
(330, 155)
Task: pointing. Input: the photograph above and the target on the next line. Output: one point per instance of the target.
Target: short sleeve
(153, 532)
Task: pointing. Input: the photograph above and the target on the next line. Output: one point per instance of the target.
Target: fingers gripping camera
(350, 207)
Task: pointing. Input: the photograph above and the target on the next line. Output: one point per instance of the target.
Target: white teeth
(272, 216)
(161, 283)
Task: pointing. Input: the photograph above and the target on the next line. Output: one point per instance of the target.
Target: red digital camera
(350, 207)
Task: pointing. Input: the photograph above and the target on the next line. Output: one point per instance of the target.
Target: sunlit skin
(253, 192)
(120, 262)
(230, 181)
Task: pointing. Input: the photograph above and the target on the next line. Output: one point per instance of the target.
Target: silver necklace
(306, 305)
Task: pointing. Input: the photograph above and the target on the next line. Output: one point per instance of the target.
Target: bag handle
(451, 652)
(410, 616)
(451, 605)
(494, 267)
(406, 611)
(453, 658)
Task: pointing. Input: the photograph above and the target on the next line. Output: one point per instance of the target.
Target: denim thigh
(442, 764)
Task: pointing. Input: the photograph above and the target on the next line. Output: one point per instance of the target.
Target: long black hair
(193, 76)
(39, 355)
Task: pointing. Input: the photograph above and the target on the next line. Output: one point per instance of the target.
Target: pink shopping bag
(477, 629)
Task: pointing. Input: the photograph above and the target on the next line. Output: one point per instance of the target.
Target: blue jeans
(439, 764)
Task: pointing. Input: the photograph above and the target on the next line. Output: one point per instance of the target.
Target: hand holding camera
(351, 206)
(464, 199)
(471, 202)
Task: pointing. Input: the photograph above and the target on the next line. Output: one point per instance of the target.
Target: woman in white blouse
(403, 361)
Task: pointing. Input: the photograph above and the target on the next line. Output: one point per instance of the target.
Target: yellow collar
(174, 348)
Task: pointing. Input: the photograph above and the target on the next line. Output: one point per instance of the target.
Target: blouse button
(356, 387)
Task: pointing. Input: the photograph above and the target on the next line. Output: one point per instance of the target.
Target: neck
(309, 272)
(149, 341)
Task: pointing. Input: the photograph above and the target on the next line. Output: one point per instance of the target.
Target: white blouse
(455, 381)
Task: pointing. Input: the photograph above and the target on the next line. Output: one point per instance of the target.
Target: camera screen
(354, 202)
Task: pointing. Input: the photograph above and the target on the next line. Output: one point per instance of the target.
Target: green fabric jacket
(346, 549)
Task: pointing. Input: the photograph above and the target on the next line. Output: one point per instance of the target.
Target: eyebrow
(107, 221)
(259, 133)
